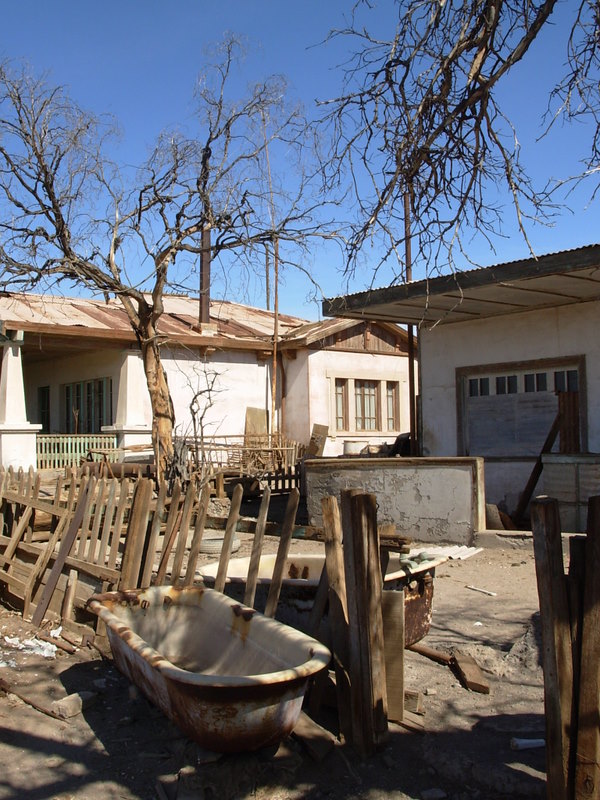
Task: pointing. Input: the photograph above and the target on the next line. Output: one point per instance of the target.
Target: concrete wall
(552, 333)
(428, 499)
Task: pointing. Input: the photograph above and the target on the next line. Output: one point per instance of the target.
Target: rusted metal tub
(229, 677)
(302, 572)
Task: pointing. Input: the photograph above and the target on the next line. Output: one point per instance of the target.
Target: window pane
(484, 387)
(473, 387)
(513, 387)
(501, 385)
(366, 405)
(541, 382)
(572, 380)
(341, 404)
(530, 383)
(392, 391)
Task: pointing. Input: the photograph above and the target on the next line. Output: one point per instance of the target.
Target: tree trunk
(163, 414)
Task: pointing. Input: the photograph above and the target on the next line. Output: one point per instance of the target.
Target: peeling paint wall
(428, 499)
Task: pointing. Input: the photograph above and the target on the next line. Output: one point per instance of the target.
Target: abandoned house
(509, 370)
(72, 369)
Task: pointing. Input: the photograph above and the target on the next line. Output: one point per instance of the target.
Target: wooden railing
(250, 454)
(57, 450)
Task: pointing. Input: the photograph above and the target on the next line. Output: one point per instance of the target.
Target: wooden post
(367, 674)
(587, 767)
(338, 613)
(257, 546)
(234, 513)
(556, 643)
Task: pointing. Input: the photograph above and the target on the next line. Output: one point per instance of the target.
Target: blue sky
(139, 60)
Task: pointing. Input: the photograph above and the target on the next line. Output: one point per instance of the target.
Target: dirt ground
(122, 747)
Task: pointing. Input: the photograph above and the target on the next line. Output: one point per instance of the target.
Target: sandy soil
(122, 747)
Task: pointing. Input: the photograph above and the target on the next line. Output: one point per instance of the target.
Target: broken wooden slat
(318, 741)
(199, 525)
(69, 597)
(257, 546)
(136, 534)
(234, 512)
(469, 672)
(429, 652)
(122, 506)
(85, 500)
(393, 636)
(152, 542)
(556, 640)
(587, 766)
(184, 529)
(282, 552)
(171, 528)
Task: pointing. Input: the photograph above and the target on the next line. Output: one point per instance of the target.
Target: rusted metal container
(229, 677)
(302, 573)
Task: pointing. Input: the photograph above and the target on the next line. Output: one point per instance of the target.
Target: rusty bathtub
(229, 677)
(408, 579)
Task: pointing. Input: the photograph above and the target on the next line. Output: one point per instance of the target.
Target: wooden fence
(58, 450)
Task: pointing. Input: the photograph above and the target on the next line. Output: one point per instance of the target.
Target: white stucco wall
(552, 333)
(310, 384)
(240, 383)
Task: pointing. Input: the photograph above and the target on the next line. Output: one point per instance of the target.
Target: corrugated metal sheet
(572, 276)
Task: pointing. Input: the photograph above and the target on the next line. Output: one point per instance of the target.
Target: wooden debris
(435, 655)
(67, 647)
(469, 672)
(413, 702)
(482, 591)
(7, 687)
(318, 741)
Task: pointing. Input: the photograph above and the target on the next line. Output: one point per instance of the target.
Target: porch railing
(57, 450)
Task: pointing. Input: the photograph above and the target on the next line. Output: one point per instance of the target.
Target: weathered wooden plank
(122, 508)
(338, 613)
(230, 529)
(85, 500)
(364, 541)
(556, 641)
(257, 547)
(393, 634)
(136, 534)
(184, 529)
(282, 552)
(171, 528)
(199, 525)
(587, 766)
(469, 672)
(152, 541)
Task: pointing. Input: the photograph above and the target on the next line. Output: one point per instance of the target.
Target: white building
(73, 366)
(501, 351)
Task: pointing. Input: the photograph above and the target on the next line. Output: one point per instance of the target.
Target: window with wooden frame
(392, 398)
(87, 405)
(366, 405)
(341, 404)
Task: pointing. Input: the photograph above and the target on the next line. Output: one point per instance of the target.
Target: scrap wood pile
(570, 617)
(91, 535)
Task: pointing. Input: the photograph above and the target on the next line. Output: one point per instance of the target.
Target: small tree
(69, 215)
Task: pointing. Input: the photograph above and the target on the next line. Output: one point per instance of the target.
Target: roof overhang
(549, 281)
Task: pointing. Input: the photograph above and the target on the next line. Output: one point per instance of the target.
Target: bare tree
(418, 133)
(70, 215)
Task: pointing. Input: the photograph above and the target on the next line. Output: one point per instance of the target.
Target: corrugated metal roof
(571, 276)
(64, 324)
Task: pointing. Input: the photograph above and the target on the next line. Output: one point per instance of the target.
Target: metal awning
(558, 279)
